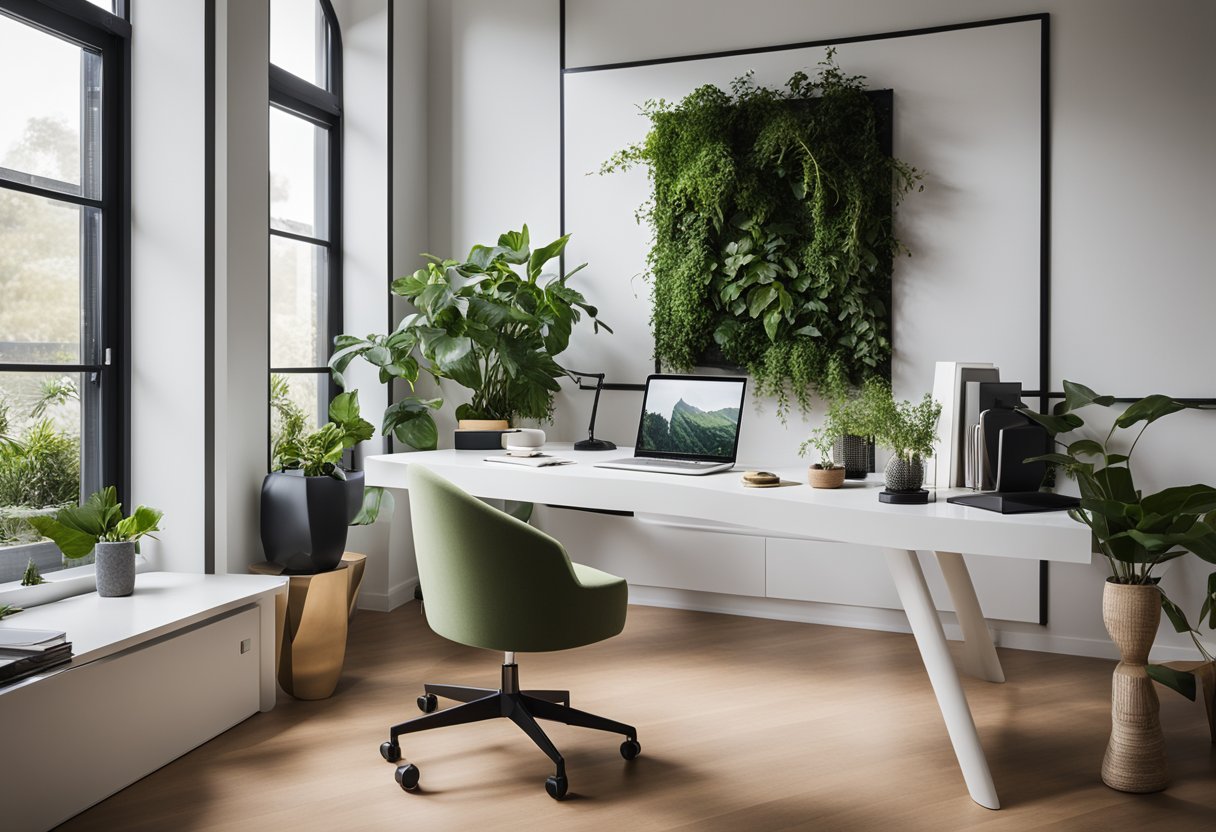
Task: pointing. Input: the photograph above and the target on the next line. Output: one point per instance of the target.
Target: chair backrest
(488, 580)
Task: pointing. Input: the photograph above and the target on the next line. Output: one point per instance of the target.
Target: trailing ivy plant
(772, 240)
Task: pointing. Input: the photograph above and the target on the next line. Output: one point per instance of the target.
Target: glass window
(61, 183)
(305, 223)
(298, 34)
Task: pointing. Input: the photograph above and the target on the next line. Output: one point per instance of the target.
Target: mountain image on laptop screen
(691, 418)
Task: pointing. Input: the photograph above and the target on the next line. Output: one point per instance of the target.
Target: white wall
(242, 278)
(167, 277)
(1132, 114)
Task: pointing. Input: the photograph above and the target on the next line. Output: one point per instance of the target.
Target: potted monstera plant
(492, 323)
(1136, 533)
(308, 498)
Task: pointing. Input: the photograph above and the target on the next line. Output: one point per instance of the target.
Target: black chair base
(523, 708)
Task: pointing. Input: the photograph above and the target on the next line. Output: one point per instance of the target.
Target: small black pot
(856, 454)
(304, 519)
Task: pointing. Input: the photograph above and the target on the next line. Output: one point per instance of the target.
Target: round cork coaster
(760, 479)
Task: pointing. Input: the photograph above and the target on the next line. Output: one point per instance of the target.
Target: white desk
(153, 675)
(847, 515)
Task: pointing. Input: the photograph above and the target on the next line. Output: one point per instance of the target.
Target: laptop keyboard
(670, 463)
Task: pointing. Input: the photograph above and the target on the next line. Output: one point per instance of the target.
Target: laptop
(689, 425)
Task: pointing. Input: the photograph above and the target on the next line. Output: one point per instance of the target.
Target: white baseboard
(398, 595)
(891, 621)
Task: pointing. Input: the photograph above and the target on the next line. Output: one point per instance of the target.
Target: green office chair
(494, 582)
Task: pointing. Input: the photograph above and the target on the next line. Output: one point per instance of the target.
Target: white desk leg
(931, 640)
(979, 653)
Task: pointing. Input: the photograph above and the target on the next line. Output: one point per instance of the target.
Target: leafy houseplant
(98, 526)
(483, 324)
(772, 235)
(907, 429)
(308, 499)
(1136, 533)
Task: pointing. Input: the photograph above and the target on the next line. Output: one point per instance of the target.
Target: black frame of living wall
(322, 108)
(109, 34)
(1043, 394)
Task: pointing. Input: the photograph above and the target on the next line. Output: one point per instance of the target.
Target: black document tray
(1016, 502)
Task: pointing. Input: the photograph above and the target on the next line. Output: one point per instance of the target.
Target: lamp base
(595, 445)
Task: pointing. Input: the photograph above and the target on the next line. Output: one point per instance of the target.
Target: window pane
(299, 174)
(50, 125)
(39, 463)
(298, 291)
(108, 5)
(49, 258)
(297, 39)
(298, 402)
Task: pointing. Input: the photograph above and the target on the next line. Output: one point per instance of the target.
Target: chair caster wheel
(407, 776)
(556, 786)
(630, 749)
(390, 751)
(427, 703)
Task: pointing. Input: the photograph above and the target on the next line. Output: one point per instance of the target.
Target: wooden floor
(745, 724)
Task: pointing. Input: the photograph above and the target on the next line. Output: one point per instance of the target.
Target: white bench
(153, 675)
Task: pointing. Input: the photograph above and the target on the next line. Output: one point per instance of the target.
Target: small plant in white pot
(98, 526)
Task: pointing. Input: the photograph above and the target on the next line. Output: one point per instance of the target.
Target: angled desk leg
(931, 640)
(979, 653)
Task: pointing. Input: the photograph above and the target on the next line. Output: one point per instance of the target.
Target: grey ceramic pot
(115, 568)
(902, 475)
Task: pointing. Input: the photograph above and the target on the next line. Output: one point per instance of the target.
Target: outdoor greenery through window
(305, 226)
(61, 274)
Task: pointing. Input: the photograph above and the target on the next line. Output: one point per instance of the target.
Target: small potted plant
(1136, 533)
(309, 499)
(825, 473)
(98, 526)
(909, 430)
(491, 329)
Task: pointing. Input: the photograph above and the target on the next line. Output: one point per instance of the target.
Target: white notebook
(535, 461)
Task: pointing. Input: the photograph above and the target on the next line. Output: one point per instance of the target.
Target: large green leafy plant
(77, 529)
(483, 324)
(318, 454)
(1135, 532)
(771, 212)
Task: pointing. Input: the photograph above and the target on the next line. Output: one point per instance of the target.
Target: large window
(63, 242)
(305, 202)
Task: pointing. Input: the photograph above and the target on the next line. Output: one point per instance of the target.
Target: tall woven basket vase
(1135, 755)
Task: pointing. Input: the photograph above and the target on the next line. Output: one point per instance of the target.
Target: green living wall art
(771, 212)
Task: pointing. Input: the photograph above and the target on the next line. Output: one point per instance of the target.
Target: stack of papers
(27, 652)
(534, 461)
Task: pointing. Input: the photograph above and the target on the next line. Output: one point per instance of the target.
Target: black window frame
(109, 34)
(321, 107)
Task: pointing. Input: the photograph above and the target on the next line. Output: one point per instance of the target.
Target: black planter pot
(304, 519)
(856, 454)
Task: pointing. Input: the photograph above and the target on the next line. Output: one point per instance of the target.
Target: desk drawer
(652, 555)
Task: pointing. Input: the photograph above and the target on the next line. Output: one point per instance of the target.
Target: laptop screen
(694, 417)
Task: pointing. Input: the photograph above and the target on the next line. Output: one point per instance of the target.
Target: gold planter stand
(312, 625)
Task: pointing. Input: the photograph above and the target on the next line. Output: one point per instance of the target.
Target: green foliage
(8, 609)
(42, 469)
(77, 529)
(908, 429)
(482, 324)
(31, 576)
(1134, 531)
(317, 454)
(287, 419)
(55, 391)
(772, 239)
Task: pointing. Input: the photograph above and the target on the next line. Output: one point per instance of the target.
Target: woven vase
(1135, 756)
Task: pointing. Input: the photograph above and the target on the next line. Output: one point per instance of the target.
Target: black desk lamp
(591, 443)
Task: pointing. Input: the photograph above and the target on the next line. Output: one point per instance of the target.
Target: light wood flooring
(745, 724)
